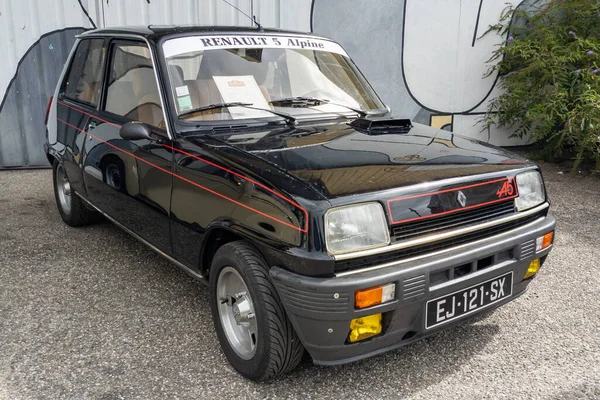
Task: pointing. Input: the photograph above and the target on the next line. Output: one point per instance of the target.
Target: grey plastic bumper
(321, 308)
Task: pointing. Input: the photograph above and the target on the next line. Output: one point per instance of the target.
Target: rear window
(84, 81)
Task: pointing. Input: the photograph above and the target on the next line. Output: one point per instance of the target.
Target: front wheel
(253, 329)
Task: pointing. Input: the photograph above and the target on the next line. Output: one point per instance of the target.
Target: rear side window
(132, 91)
(84, 81)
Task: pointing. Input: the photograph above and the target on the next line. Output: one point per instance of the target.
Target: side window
(132, 90)
(84, 81)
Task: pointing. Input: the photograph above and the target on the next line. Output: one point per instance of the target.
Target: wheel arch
(216, 237)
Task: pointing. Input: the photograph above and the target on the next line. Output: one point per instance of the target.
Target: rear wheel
(72, 209)
(253, 329)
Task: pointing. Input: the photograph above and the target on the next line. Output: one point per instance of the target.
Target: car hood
(339, 160)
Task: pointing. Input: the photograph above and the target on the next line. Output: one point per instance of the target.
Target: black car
(264, 164)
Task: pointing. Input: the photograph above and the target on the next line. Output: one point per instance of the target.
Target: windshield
(278, 73)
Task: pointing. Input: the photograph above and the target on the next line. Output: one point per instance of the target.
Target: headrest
(143, 81)
(176, 73)
(227, 63)
(212, 64)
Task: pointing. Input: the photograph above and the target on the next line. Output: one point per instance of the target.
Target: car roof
(156, 32)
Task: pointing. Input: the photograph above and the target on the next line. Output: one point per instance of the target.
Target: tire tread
(285, 349)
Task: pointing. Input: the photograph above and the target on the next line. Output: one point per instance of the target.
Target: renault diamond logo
(461, 198)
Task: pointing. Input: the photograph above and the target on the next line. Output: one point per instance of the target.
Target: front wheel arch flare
(215, 238)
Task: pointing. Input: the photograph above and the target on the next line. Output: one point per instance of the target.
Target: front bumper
(321, 308)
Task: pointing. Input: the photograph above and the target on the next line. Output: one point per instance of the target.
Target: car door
(78, 99)
(130, 180)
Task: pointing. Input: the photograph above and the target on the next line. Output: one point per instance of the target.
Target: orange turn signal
(544, 242)
(376, 295)
(368, 297)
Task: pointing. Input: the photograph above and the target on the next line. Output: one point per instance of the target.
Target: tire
(72, 209)
(277, 348)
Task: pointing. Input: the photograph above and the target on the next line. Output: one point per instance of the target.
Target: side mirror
(135, 130)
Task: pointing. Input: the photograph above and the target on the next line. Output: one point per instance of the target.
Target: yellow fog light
(364, 327)
(533, 269)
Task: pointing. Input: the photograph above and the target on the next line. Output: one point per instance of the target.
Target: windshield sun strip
(372, 97)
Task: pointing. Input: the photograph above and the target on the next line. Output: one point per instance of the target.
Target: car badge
(461, 198)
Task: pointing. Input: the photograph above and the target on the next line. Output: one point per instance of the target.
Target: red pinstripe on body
(243, 177)
(304, 230)
(389, 202)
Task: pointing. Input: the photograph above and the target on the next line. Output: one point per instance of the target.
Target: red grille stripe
(389, 202)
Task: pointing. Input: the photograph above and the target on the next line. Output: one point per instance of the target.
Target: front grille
(458, 271)
(452, 221)
(384, 258)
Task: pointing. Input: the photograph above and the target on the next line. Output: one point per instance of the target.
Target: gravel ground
(91, 313)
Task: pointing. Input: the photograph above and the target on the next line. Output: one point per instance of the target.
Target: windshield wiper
(212, 107)
(290, 120)
(291, 101)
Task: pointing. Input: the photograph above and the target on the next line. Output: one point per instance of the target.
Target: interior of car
(196, 72)
(132, 90)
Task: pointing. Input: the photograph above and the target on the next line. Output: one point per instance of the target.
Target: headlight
(354, 228)
(531, 190)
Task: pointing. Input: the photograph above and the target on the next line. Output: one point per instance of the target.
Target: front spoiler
(321, 309)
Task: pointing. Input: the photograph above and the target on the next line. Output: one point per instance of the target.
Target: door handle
(91, 126)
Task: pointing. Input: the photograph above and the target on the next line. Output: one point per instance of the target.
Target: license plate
(467, 301)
